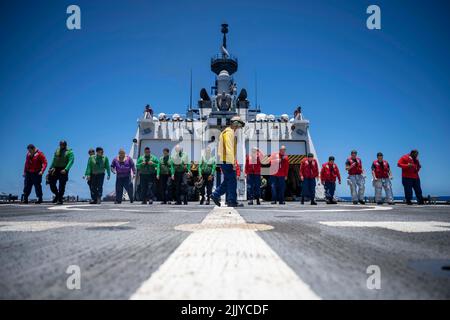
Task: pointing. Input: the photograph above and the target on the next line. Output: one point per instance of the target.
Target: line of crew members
(172, 171)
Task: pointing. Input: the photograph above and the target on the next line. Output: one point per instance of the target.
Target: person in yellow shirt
(227, 151)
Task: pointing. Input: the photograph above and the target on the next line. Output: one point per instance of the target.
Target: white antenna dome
(162, 116)
(261, 117)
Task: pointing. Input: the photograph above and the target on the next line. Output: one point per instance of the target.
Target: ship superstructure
(200, 127)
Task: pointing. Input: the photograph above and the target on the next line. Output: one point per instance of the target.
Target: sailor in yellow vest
(227, 151)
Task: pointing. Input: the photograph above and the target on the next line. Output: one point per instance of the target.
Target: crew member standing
(180, 167)
(148, 112)
(356, 179)
(35, 165)
(59, 171)
(123, 166)
(279, 168)
(381, 173)
(309, 172)
(95, 173)
(253, 172)
(91, 152)
(410, 176)
(328, 175)
(164, 177)
(227, 151)
(148, 167)
(206, 170)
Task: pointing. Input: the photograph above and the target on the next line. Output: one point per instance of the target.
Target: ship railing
(167, 117)
(221, 56)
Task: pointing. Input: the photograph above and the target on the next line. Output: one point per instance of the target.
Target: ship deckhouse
(200, 127)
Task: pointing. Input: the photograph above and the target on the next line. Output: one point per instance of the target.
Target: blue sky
(384, 90)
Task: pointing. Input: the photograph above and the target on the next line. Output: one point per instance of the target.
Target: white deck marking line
(402, 226)
(71, 207)
(326, 210)
(87, 207)
(35, 226)
(224, 263)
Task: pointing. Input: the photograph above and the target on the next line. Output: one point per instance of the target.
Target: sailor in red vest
(309, 172)
(410, 176)
(381, 173)
(356, 178)
(35, 165)
(253, 173)
(279, 168)
(328, 176)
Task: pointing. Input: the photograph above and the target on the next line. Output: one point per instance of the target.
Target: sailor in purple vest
(123, 166)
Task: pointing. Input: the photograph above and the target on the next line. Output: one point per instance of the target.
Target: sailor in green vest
(148, 167)
(164, 177)
(95, 173)
(206, 170)
(59, 171)
(91, 152)
(180, 166)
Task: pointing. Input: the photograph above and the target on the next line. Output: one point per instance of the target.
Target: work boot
(258, 202)
(39, 201)
(362, 202)
(250, 203)
(216, 201)
(202, 200)
(313, 203)
(235, 205)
